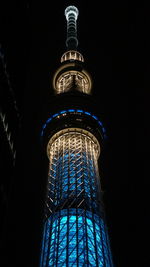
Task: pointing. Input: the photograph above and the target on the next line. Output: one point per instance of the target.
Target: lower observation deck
(73, 117)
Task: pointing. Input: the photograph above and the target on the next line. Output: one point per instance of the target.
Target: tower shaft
(75, 232)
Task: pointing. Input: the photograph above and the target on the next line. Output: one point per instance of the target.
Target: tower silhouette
(75, 232)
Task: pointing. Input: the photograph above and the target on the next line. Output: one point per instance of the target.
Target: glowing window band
(64, 112)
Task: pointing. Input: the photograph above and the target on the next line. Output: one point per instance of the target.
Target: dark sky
(113, 42)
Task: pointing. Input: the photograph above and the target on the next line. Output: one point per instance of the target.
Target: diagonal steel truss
(75, 233)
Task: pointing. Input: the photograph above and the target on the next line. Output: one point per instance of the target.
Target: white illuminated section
(71, 14)
(73, 138)
(71, 11)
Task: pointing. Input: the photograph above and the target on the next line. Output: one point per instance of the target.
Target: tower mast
(71, 13)
(75, 232)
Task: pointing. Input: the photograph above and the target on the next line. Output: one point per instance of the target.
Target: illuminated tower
(75, 232)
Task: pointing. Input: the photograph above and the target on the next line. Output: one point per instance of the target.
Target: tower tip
(71, 10)
(71, 14)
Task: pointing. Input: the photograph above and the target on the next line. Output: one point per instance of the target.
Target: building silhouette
(75, 231)
(9, 130)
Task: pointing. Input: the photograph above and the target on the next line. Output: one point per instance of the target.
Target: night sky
(113, 42)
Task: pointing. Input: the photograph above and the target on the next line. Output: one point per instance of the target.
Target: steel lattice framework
(75, 233)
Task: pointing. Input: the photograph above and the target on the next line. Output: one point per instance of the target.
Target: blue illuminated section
(75, 233)
(75, 237)
(80, 111)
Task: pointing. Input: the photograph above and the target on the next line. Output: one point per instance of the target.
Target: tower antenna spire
(71, 13)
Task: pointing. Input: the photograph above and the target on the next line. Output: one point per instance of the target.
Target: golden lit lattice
(73, 79)
(72, 55)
